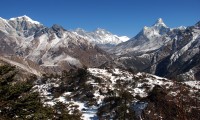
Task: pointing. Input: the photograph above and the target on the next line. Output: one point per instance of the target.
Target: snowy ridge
(101, 36)
(180, 28)
(25, 18)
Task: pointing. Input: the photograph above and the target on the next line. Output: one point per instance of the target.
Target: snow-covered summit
(159, 23)
(157, 29)
(24, 18)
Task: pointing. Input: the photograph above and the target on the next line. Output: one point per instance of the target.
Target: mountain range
(54, 47)
(54, 73)
(158, 49)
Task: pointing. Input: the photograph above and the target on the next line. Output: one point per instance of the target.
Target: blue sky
(121, 17)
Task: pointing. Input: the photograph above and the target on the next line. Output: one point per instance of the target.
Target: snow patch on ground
(193, 84)
(137, 84)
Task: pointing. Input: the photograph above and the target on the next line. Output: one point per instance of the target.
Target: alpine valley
(51, 73)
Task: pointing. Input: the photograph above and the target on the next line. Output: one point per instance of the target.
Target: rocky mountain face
(104, 39)
(163, 51)
(53, 47)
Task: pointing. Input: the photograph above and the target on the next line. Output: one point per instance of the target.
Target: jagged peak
(26, 18)
(160, 22)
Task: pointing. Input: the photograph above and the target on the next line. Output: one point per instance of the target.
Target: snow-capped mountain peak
(159, 23)
(24, 18)
(158, 28)
(101, 36)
